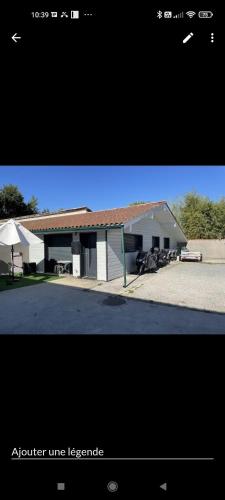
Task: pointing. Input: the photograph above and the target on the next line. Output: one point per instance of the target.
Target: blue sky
(109, 187)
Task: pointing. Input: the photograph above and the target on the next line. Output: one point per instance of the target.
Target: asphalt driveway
(182, 298)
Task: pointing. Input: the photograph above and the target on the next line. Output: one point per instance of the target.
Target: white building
(102, 244)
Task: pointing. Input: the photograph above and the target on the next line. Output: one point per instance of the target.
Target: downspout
(124, 258)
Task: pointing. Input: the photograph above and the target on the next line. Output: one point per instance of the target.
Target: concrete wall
(212, 250)
(101, 256)
(115, 266)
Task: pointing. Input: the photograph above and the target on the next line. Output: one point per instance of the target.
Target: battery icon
(206, 14)
(74, 14)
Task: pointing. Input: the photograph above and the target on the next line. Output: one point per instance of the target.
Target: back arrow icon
(15, 37)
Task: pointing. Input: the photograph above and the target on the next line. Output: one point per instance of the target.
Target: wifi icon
(190, 13)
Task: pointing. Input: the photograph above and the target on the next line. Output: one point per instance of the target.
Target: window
(166, 243)
(156, 241)
(133, 242)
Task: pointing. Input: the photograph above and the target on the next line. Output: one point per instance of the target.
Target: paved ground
(190, 284)
(181, 298)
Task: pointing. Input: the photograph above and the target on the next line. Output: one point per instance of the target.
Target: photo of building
(103, 244)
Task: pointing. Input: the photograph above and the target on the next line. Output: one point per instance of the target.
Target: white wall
(36, 253)
(76, 259)
(115, 266)
(25, 252)
(5, 257)
(211, 250)
(101, 256)
(131, 262)
(148, 227)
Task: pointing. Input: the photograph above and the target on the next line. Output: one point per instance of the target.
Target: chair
(58, 269)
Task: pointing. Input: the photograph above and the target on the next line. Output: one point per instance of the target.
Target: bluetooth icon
(159, 14)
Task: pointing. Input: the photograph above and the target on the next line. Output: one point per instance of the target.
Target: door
(88, 255)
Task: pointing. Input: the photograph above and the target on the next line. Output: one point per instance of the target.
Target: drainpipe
(124, 258)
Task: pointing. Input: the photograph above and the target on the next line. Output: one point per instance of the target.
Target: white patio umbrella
(13, 233)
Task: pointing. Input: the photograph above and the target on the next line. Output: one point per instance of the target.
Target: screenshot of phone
(112, 251)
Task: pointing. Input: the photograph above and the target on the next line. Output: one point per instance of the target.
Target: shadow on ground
(56, 309)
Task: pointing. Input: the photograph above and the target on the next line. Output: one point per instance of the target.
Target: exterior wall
(18, 262)
(131, 262)
(101, 256)
(212, 250)
(36, 253)
(25, 253)
(76, 259)
(115, 266)
(5, 257)
(147, 227)
(150, 227)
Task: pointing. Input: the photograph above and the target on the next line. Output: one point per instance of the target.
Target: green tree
(12, 202)
(219, 218)
(32, 205)
(200, 217)
(196, 216)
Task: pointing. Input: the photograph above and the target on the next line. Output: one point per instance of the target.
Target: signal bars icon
(178, 16)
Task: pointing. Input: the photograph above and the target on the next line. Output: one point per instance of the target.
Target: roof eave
(76, 229)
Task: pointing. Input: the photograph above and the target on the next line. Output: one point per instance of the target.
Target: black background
(115, 93)
(118, 88)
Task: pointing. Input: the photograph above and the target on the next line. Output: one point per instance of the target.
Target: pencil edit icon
(188, 37)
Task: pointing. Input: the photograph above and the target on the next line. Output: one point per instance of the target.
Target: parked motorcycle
(162, 257)
(152, 260)
(172, 254)
(146, 261)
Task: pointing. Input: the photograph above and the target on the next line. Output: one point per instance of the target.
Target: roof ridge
(127, 207)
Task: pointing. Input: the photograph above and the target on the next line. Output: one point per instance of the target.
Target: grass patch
(31, 279)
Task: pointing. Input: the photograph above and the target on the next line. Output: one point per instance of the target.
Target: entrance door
(88, 255)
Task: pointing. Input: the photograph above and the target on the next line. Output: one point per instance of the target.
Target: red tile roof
(101, 218)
